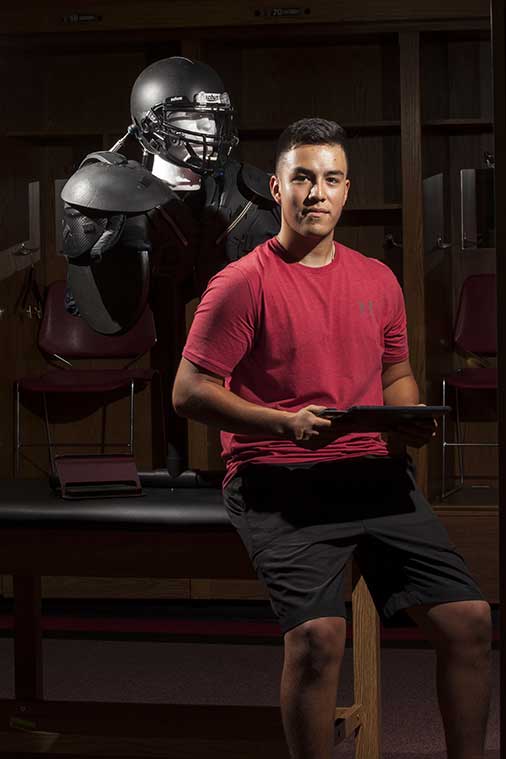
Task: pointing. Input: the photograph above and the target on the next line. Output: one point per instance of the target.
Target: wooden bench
(178, 533)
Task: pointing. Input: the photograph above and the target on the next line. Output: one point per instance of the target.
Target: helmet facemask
(167, 131)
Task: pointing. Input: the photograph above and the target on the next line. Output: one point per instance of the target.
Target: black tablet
(382, 418)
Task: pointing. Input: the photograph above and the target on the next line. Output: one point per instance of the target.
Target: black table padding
(32, 503)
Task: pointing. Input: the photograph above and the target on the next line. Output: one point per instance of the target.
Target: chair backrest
(69, 336)
(476, 322)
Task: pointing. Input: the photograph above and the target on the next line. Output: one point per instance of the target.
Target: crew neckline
(280, 251)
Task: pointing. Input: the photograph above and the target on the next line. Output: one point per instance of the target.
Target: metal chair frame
(458, 444)
(92, 346)
(51, 445)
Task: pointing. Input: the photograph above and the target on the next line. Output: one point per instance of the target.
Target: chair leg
(443, 454)
(458, 440)
(458, 435)
(102, 437)
(164, 425)
(132, 431)
(18, 432)
(50, 443)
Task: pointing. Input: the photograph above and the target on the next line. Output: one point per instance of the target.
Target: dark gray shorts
(300, 527)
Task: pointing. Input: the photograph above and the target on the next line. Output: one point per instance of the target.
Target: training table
(168, 532)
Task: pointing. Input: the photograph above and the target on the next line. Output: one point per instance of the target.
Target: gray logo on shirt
(366, 307)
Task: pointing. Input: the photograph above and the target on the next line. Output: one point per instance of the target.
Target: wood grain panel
(462, 67)
(464, 79)
(56, 746)
(475, 533)
(412, 201)
(204, 444)
(259, 153)
(366, 172)
(22, 72)
(59, 746)
(18, 332)
(245, 590)
(369, 240)
(91, 91)
(473, 530)
(129, 15)
(279, 87)
(107, 587)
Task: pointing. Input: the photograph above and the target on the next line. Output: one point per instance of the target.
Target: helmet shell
(175, 85)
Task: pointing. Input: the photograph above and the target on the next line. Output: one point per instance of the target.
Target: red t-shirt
(286, 335)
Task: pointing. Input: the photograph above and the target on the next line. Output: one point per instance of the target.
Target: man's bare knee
(316, 644)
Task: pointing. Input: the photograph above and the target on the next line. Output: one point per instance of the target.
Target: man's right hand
(308, 430)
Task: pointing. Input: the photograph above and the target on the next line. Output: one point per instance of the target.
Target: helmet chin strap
(178, 177)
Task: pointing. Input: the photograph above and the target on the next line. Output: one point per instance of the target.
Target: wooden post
(366, 669)
(27, 638)
(412, 217)
(498, 23)
(204, 446)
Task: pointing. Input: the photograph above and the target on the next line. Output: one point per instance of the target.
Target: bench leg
(366, 667)
(27, 638)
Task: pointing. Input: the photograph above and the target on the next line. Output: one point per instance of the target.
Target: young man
(300, 324)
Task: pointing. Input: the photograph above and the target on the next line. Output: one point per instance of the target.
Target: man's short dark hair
(312, 131)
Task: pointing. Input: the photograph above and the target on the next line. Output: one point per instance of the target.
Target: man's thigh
(408, 559)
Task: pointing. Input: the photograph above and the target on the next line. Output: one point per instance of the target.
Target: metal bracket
(442, 245)
(390, 242)
(26, 253)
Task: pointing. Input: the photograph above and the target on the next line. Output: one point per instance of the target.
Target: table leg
(366, 660)
(27, 638)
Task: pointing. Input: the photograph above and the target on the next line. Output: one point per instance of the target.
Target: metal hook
(391, 243)
(489, 160)
(442, 245)
(25, 250)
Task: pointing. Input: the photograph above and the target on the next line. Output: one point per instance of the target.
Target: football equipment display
(171, 94)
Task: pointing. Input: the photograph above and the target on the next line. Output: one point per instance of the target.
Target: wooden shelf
(53, 136)
(373, 208)
(388, 214)
(458, 125)
(356, 129)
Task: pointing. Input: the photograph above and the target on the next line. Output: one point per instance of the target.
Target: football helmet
(183, 114)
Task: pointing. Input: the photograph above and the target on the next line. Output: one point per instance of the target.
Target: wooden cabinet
(457, 133)
(410, 82)
(376, 79)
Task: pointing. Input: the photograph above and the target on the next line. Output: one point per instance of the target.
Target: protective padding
(476, 322)
(474, 379)
(70, 336)
(97, 476)
(85, 380)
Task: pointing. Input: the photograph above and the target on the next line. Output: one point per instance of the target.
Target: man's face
(311, 187)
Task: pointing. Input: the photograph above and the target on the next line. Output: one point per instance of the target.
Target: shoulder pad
(256, 181)
(111, 183)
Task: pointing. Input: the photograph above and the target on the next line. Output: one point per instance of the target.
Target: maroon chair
(63, 337)
(474, 336)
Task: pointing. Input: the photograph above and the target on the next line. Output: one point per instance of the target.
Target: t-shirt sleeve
(223, 328)
(395, 331)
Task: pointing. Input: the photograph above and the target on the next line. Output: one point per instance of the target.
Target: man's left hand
(415, 434)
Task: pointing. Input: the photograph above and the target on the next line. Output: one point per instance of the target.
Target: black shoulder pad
(256, 180)
(104, 156)
(110, 183)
